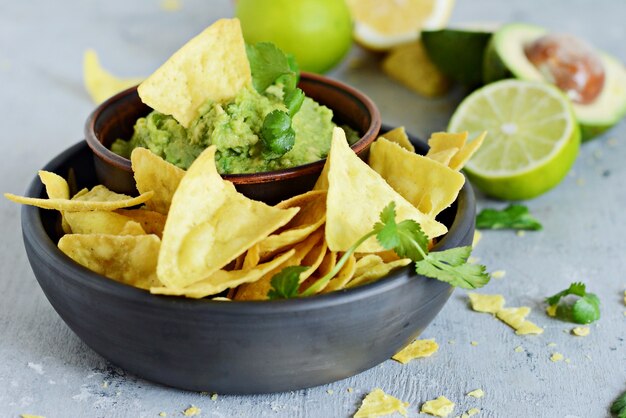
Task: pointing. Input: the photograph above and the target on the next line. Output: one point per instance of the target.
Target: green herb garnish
(270, 65)
(513, 217)
(618, 408)
(408, 241)
(585, 310)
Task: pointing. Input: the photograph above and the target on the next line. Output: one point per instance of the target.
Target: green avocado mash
(235, 129)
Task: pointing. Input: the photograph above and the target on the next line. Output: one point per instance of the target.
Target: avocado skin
(458, 53)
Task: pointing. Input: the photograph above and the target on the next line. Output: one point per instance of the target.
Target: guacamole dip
(234, 128)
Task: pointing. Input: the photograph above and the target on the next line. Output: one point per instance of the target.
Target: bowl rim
(262, 177)
(35, 234)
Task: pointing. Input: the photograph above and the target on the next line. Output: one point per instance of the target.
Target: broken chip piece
(378, 403)
(580, 331)
(417, 349)
(477, 393)
(440, 407)
(486, 303)
(516, 319)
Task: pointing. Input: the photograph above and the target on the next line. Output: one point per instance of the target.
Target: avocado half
(505, 58)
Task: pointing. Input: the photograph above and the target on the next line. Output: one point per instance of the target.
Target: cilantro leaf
(277, 135)
(293, 100)
(267, 64)
(404, 238)
(619, 406)
(285, 283)
(451, 266)
(512, 217)
(584, 310)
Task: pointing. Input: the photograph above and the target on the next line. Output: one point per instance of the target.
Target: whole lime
(317, 32)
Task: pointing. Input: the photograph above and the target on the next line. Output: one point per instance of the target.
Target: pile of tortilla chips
(192, 234)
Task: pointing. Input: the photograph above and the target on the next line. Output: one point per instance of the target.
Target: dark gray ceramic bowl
(116, 117)
(234, 347)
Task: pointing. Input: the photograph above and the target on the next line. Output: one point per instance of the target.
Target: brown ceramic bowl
(116, 117)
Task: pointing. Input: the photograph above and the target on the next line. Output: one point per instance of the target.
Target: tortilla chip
(222, 280)
(129, 259)
(441, 141)
(153, 173)
(444, 157)
(252, 257)
(311, 216)
(371, 268)
(466, 152)
(99, 198)
(108, 223)
(101, 84)
(212, 66)
(151, 222)
(210, 224)
(56, 186)
(356, 196)
(259, 289)
(428, 185)
(378, 403)
(399, 136)
(343, 277)
(440, 407)
(417, 349)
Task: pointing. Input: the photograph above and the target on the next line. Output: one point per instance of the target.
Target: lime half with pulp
(532, 137)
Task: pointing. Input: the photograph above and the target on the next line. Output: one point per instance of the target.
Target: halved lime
(532, 141)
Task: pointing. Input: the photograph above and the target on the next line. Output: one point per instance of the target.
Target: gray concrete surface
(45, 369)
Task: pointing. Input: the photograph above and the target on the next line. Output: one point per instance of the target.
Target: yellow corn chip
(343, 277)
(259, 289)
(109, 223)
(210, 224)
(371, 268)
(212, 66)
(153, 173)
(426, 184)
(378, 403)
(399, 136)
(440, 407)
(357, 195)
(129, 259)
(98, 198)
(222, 280)
(516, 319)
(151, 222)
(444, 156)
(466, 152)
(252, 257)
(486, 303)
(56, 186)
(101, 84)
(441, 141)
(417, 349)
(311, 216)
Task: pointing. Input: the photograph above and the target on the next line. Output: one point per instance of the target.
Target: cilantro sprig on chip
(584, 310)
(407, 240)
(269, 65)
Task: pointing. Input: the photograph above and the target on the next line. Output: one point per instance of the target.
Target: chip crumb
(477, 237)
(519, 349)
(520, 233)
(486, 303)
(567, 360)
(470, 413)
(474, 343)
(624, 297)
(478, 393)
(330, 391)
(214, 396)
(588, 357)
(551, 344)
(440, 407)
(451, 341)
(378, 403)
(162, 414)
(192, 411)
(551, 310)
(556, 357)
(473, 260)
(31, 416)
(580, 331)
(498, 274)
(171, 5)
(350, 390)
(417, 349)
